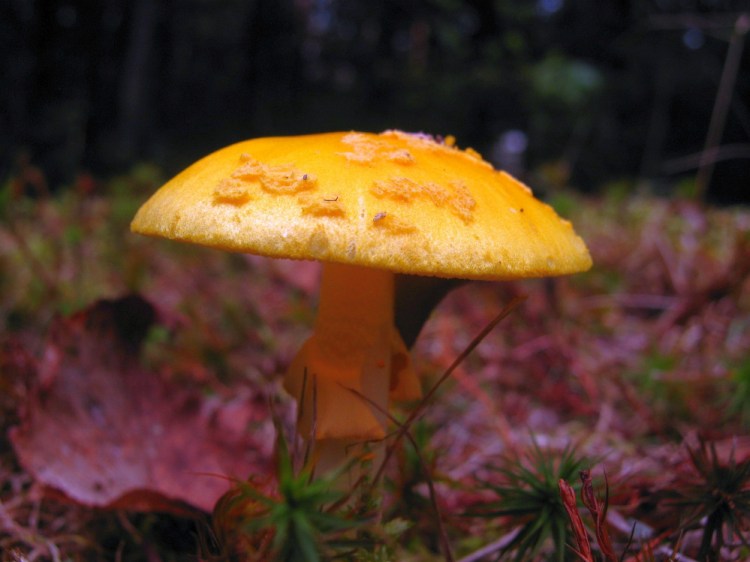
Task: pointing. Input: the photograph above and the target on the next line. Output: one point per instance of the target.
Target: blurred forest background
(587, 92)
(638, 369)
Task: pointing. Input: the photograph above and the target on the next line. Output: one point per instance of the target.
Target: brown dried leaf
(598, 511)
(104, 432)
(568, 496)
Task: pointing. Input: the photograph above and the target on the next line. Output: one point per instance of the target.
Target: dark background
(596, 92)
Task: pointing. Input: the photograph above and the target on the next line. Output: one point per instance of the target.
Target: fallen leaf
(100, 429)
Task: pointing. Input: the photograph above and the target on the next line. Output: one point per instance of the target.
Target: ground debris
(99, 429)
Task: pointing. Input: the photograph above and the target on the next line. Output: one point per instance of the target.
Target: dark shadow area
(561, 92)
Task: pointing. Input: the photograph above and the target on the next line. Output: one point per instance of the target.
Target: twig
(721, 105)
(488, 549)
(42, 545)
(687, 20)
(716, 154)
(36, 266)
(419, 409)
(403, 428)
(442, 533)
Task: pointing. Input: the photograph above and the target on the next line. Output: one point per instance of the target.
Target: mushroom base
(356, 459)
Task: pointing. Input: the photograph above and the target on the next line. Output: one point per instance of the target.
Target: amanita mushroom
(368, 206)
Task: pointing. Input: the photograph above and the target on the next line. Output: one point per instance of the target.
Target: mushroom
(368, 206)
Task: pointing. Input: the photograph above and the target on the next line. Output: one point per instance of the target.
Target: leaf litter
(629, 362)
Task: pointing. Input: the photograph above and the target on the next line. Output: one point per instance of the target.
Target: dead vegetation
(636, 372)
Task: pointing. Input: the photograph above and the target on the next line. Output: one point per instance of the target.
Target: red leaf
(100, 429)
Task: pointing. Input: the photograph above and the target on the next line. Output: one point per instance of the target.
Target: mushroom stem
(345, 373)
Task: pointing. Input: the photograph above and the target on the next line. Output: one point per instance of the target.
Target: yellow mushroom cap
(397, 201)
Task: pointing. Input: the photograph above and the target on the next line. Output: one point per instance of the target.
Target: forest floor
(136, 375)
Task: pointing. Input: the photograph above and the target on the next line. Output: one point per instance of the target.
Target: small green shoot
(530, 498)
(715, 496)
(739, 403)
(306, 520)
